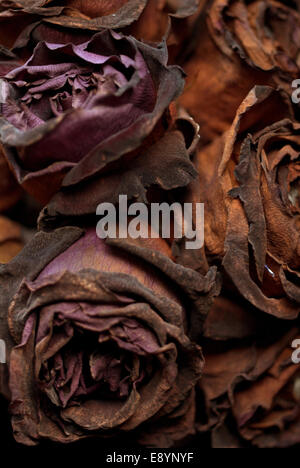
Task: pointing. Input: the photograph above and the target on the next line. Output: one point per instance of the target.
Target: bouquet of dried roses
(171, 321)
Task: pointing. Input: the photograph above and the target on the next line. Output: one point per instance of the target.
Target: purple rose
(73, 110)
(97, 339)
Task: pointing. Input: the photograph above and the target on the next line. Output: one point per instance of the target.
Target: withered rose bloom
(147, 19)
(97, 339)
(249, 182)
(73, 112)
(249, 393)
(238, 44)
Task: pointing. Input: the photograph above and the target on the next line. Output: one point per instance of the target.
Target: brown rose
(249, 183)
(238, 45)
(97, 339)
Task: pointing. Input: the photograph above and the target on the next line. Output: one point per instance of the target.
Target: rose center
(104, 366)
(42, 95)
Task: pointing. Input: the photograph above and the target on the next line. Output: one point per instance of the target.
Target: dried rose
(238, 45)
(249, 183)
(74, 111)
(249, 393)
(153, 25)
(147, 19)
(21, 16)
(97, 342)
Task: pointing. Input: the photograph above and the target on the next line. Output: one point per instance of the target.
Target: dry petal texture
(249, 182)
(97, 339)
(249, 393)
(238, 44)
(147, 19)
(74, 113)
